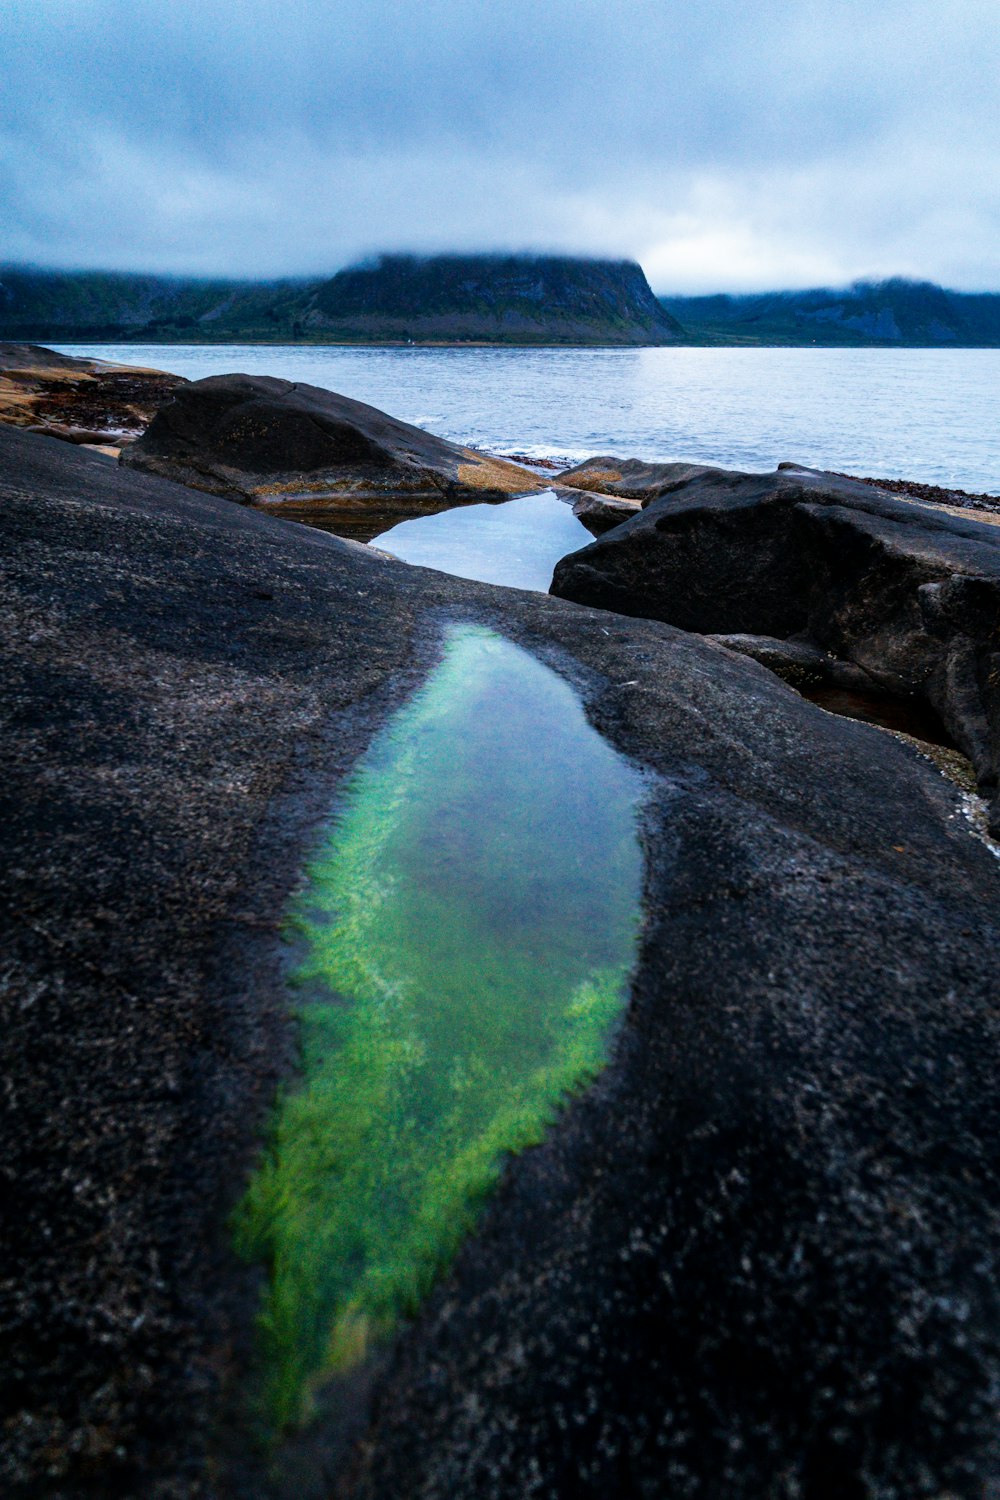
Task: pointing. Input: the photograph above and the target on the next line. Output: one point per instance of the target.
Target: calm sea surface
(924, 414)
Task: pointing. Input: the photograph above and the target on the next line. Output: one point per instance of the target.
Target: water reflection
(516, 543)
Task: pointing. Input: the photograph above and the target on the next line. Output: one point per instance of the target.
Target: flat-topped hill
(496, 298)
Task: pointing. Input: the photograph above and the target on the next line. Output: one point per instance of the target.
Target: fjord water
(467, 930)
(922, 414)
(516, 543)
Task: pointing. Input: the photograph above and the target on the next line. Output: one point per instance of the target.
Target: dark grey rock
(907, 592)
(600, 513)
(798, 662)
(317, 455)
(629, 478)
(760, 1257)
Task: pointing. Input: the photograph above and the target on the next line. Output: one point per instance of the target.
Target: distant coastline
(482, 301)
(397, 301)
(889, 314)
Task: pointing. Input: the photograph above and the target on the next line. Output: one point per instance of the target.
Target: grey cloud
(266, 138)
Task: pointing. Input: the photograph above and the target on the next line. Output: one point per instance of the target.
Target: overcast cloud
(724, 144)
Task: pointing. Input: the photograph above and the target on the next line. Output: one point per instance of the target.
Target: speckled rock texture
(759, 1258)
(908, 592)
(316, 455)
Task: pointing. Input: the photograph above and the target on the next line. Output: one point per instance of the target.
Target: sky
(727, 145)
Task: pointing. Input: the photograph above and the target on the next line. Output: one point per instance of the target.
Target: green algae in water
(469, 926)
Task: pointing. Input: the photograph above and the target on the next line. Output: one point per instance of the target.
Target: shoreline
(932, 494)
(122, 337)
(75, 399)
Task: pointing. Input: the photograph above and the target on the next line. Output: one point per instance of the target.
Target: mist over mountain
(503, 299)
(494, 299)
(893, 312)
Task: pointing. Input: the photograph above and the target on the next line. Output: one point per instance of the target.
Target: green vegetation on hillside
(64, 305)
(890, 313)
(498, 299)
(503, 298)
(447, 299)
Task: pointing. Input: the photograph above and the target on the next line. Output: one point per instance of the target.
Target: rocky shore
(760, 1255)
(86, 401)
(933, 494)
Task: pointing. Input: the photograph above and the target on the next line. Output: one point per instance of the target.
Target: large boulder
(760, 1257)
(315, 455)
(907, 592)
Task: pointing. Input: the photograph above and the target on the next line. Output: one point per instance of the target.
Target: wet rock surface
(907, 593)
(600, 513)
(85, 401)
(759, 1257)
(316, 455)
(628, 478)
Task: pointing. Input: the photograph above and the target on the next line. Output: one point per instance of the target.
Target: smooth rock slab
(759, 1258)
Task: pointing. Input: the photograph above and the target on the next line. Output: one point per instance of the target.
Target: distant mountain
(492, 299)
(511, 299)
(895, 312)
(502, 299)
(93, 304)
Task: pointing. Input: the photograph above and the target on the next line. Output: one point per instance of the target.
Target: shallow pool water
(467, 927)
(516, 543)
(912, 716)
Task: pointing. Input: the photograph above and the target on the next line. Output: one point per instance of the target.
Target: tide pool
(467, 927)
(516, 542)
